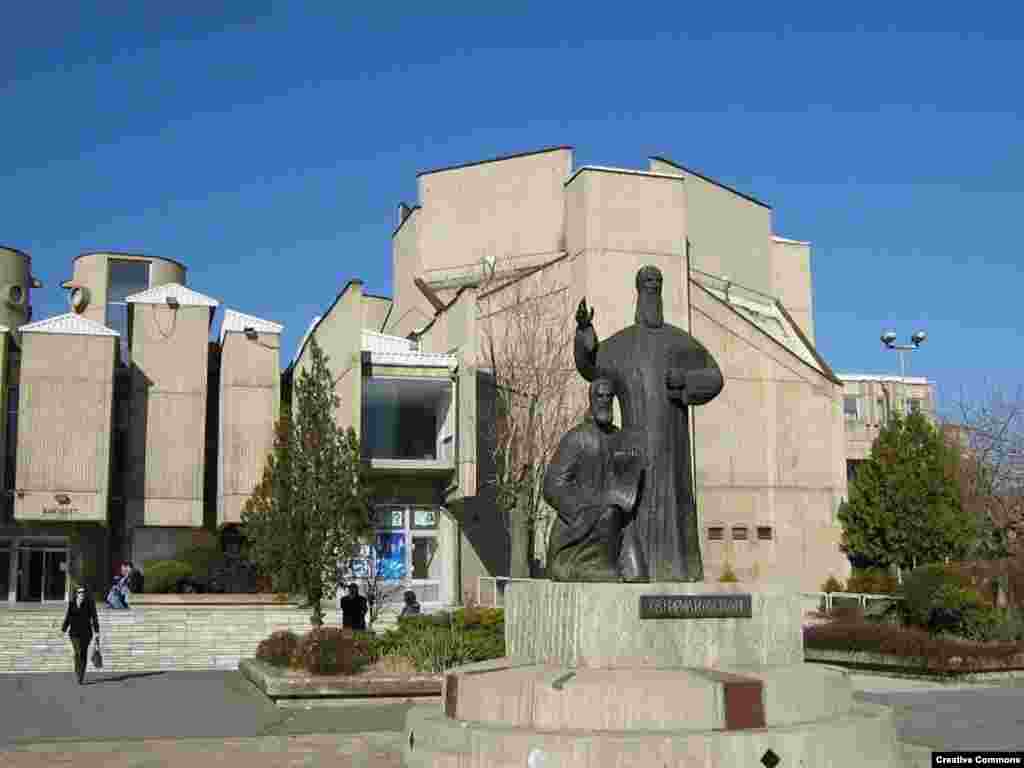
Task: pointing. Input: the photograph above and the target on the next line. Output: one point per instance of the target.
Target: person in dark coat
(81, 623)
(412, 606)
(353, 609)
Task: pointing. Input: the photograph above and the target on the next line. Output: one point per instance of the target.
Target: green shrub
(436, 642)
(162, 576)
(1010, 626)
(963, 612)
(872, 581)
(920, 588)
(202, 558)
(325, 651)
(278, 649)
(832, 584)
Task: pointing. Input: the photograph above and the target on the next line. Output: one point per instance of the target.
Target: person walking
(81, 622)
(412, 606)
(353, 609)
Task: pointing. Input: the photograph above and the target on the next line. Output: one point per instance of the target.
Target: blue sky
(266, 134)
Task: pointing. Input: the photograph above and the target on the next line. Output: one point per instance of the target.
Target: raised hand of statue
(584, 317)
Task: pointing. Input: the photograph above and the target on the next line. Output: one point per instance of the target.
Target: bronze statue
(658, 371)
(593, 481)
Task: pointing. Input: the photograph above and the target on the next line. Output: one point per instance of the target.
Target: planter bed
(208, 599)
(279, 683)
(899, 666)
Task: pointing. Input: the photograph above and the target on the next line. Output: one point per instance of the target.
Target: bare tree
(533, 397)
(990, 433)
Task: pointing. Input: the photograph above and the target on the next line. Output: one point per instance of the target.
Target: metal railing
(862, 598)
(498, 589)
(499, 592)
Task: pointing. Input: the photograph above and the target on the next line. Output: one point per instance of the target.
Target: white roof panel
(237, 322)
(186, 296)
(69, 323)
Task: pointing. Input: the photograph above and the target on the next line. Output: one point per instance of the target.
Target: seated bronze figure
(594, 482)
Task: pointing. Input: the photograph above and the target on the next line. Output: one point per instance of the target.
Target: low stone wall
(900, 666)
(289, 684)
(149, 638)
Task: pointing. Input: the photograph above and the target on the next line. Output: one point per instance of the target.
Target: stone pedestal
(590, 682)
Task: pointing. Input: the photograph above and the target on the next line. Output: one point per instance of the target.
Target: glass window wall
(124, 279)
(408, 419)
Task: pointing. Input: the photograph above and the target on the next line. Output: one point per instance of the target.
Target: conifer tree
(311, 510)
(904, 507)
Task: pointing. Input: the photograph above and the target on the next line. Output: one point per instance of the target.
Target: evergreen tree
(311, 509)
(904, 507)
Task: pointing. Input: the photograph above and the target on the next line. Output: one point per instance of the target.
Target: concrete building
(769, 451)
(868, 402)
(124, 432)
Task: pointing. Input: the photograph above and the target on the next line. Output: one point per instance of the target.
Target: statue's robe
(662, 543)
(593, 492)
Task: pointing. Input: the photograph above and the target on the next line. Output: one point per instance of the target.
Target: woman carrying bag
(81, 622)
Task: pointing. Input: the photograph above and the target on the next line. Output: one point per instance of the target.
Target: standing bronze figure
(658, 371)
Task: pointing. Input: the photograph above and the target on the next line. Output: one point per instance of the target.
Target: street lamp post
(889, 340)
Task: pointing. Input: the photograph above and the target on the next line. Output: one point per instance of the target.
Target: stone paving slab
(374, 750)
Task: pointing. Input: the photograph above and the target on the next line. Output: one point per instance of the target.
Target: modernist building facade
(770, 451)
(127, 428)
(869, 400)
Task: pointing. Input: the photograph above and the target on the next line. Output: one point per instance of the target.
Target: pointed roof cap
(186, 296)
(69, 323)
(235, 321)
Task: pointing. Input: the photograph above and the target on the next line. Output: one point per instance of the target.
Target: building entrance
(42, 574)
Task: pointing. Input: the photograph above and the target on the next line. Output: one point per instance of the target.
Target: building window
(409, 419)
(915, 405)
(881, 412)
(716, 533)
(739, 533)
(851, 407)
(851, 470)
(123, 279)
(407, 549)
(764, 533)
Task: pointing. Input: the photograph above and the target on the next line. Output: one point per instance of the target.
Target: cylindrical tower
(106, 277)
(15, 287)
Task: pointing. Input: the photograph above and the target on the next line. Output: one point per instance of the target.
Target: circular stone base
(550, 698)
(865, 735)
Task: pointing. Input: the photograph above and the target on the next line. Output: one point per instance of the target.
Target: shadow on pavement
(121, 678)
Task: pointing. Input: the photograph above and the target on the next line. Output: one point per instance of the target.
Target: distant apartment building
(127, 429)
(770, 451)
(868, 402)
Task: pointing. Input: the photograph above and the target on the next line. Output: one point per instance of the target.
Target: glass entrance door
(5, 573)
(55, 576)
(42, 574)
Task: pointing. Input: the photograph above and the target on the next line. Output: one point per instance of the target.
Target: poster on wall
(391, 556)
(424, 518)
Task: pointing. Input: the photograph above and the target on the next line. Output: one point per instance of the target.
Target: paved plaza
(208, 718)
(218, 718)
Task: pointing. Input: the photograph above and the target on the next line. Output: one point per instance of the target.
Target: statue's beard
(650, 310)
(603, 416)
